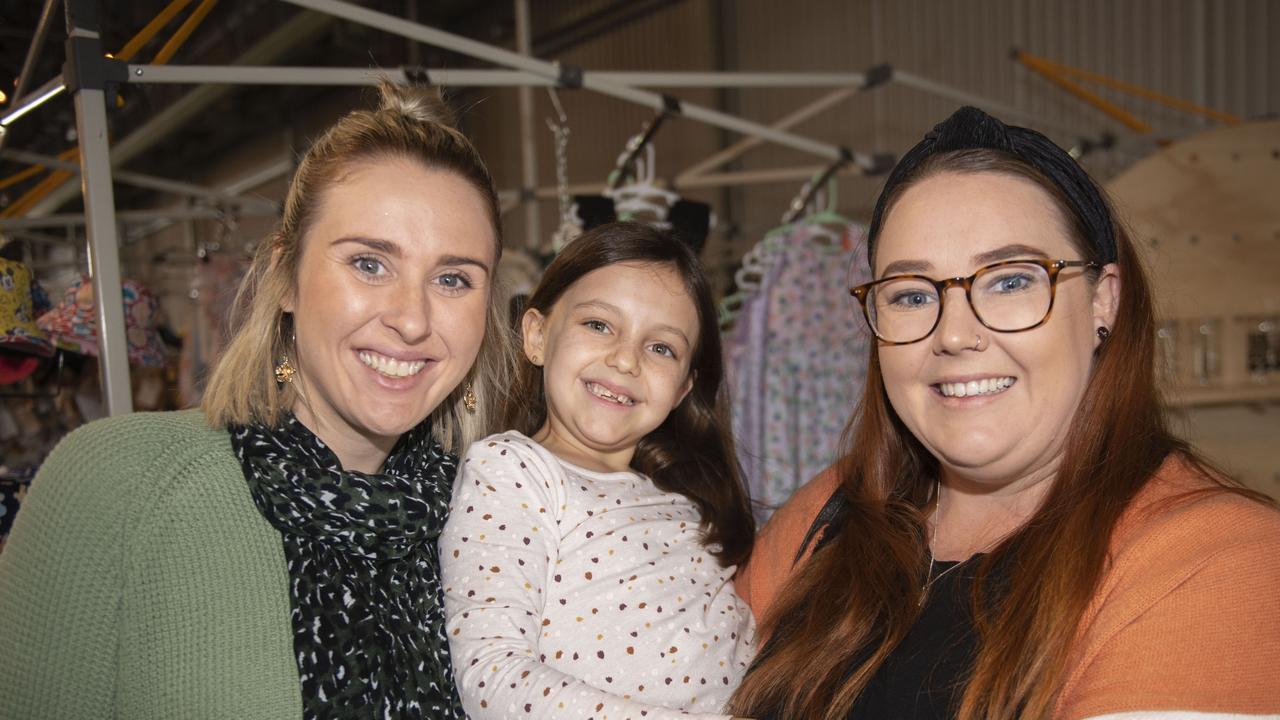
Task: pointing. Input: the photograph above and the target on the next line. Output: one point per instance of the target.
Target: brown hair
(857, 596)
(691, 452)
(411, 123)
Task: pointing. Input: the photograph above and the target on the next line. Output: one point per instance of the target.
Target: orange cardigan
(1187, 613)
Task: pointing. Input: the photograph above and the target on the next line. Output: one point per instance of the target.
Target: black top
(924, 677)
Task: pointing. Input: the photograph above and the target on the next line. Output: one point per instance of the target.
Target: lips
(972, 388)
(610, 395)
(389, 366)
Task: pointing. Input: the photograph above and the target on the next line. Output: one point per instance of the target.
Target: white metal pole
(33, 56)
(528, 145)
(69, 220)
(84, 47)
(654, 101)
(150, 182)
(462, 77)
(510, 198)
(735, 150)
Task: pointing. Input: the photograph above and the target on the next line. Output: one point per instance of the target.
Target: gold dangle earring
(285, 371)
(469, 399)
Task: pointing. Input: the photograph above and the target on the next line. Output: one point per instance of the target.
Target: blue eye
(1012, 283)
(454, 281)
(911, 299)
(369, 265)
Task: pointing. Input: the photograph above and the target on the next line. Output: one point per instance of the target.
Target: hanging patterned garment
(797, 360)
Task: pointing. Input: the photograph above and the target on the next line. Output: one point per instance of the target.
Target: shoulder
(106, 478)
(774, 555)
(1182, 517)
(147, 434)
(136, 448)
(501, 444)
(508, 449)
(1192, 580)
(508, 456)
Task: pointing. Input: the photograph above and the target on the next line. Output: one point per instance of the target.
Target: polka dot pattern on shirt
(568, 589)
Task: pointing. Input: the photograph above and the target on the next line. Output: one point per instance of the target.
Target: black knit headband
(969, 128)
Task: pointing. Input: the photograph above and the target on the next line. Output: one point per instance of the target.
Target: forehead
(947, 219)
(642, 290)
(399, 199)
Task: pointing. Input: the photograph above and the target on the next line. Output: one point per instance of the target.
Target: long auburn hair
(856, 597)
(411, 123)
(691, 452)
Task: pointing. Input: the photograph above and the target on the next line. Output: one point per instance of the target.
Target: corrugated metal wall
(1213, 52)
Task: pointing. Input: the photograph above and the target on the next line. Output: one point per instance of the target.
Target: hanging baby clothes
(797, 359)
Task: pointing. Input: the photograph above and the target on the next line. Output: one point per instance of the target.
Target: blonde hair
(412, 123)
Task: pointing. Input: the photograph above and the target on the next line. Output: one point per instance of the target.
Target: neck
(972, 516)
(564, 446)
(354, 451)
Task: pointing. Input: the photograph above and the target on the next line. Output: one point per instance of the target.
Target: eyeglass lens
(1006, 298)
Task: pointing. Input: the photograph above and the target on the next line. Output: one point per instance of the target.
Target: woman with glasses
(1014, 532)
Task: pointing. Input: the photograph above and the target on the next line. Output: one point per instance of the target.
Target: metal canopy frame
(90, 75)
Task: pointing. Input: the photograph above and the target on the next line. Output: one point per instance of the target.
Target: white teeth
(601, 392)
(390, 366)
(985, 386)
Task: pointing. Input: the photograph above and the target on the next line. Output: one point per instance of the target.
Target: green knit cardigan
(141, 582)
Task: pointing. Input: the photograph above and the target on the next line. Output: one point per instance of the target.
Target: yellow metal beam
(184, 31)
(1137, 90)
(144, 35)
(35, 169)
(1038, 66)
(36, 194)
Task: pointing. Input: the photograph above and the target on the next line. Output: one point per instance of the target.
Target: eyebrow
(1006, 252)
(602, 305)
(384, 246)
(393, 249)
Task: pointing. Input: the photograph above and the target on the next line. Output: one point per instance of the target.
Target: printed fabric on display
(368, 606)
(797, 361)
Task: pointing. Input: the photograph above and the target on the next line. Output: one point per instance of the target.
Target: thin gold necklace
(929, 579)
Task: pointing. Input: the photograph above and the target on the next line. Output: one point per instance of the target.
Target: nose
(408, 312)
(958, 328)
(625, 358)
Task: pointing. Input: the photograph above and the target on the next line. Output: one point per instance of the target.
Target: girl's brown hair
(691, 452)
(411, 123)
(856, 597)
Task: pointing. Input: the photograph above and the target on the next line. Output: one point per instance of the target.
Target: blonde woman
(273, 554)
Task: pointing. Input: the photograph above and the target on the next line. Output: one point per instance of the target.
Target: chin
(392, 425)
(971, 458)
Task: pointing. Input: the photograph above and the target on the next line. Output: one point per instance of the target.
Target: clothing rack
(638, 142)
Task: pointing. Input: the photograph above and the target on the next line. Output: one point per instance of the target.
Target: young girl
(589, 553)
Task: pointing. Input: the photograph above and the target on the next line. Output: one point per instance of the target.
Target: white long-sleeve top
(578, 594)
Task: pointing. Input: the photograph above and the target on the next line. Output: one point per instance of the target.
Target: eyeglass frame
(1052, 267)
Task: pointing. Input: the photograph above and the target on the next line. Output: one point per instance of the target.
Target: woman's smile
(389, 366)
(973, 387)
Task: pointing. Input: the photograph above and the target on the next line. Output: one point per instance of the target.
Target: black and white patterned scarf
(368, 606)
